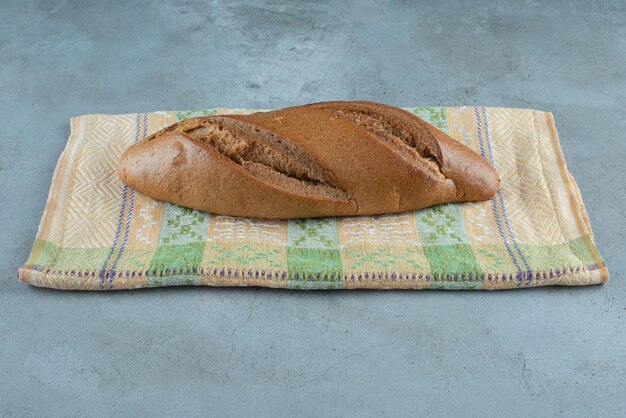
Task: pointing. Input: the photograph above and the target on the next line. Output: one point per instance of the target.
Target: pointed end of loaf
(149, 166)
(130, 166)
(122, 167)
(473, 177)
(483, 186)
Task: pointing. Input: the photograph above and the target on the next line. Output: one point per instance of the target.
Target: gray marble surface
(260, 352)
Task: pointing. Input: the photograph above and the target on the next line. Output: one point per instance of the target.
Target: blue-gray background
(175, 352)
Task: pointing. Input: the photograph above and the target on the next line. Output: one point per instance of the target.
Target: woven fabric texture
(98, 234)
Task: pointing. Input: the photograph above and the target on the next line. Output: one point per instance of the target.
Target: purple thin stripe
(506, 219)
(104, 272)
(132, 203)
(493, 202)
(125, 240)
(116, 239)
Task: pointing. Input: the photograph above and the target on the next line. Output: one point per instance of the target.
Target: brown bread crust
(323, 159)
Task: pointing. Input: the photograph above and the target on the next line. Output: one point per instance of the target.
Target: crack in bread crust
(387, 130)
(264, 155)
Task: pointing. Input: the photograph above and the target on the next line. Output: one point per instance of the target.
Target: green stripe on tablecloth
(195, 113)
(61, 259)
(446, 246)
(313, 256)
(436, 116)
(182, 239)
(441, 229)
(583, 251)
(558, 256)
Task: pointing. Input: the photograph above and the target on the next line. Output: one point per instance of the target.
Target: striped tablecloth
(98, 234)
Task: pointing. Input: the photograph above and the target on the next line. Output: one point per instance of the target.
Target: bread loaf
(323, 159)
